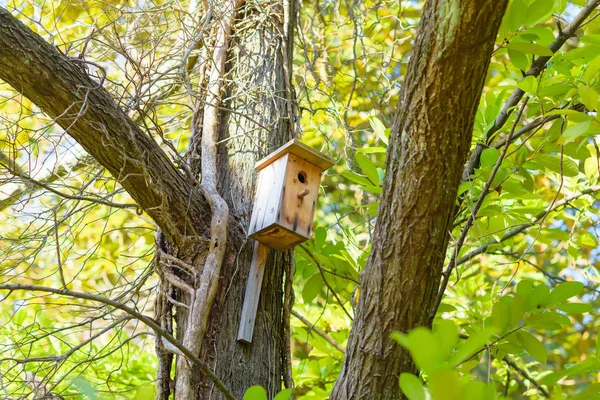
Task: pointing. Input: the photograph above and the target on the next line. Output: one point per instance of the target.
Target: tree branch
(526, 375)
(315, 329)
(535, 220)
(320, 267)
(537, 66)
(150, 322)
(90, 115)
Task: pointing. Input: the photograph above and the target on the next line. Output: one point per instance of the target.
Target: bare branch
(150, 322)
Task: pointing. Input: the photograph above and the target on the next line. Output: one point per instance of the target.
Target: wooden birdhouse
(284, 207)
(286, 197)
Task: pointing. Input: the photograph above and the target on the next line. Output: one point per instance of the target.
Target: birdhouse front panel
(299, 196)
(286, 197)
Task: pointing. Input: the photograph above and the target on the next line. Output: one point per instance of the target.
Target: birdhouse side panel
(299, 196)
(267, 201)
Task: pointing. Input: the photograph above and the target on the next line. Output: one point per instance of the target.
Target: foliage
(520, 311)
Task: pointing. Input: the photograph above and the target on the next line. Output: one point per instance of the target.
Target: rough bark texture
(428, 147)
(259, 96)
(257, 69)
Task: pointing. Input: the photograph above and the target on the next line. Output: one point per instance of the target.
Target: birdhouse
(284, 207)
(286, 197)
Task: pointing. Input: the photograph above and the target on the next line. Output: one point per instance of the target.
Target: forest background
(519, 313)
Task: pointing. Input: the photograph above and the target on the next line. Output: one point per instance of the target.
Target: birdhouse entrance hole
(302, 177)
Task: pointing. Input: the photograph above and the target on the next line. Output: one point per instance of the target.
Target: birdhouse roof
(301, 150)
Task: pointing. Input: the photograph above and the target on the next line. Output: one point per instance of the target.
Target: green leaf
(539, 296)
(553, 377)
(412, 387)
(379, 129)
(575, 308)
(423, 347)
(320, 237)
(529, 84)
(500, 316)
(518, 59)
(445, 385)
(530, 48)
(591, 39)
(589, 97)
(525, 287)
(517, 309)
(517, 14)
(381, 174)
(565, 291)
(552, 162)
(473, 344)
(285, 394)
(591, 71)
(255, 393)
(539, 11)
(575, 131)
(598, 346)
(533, 346)
(446, 333)
(351, 176)
(312, 288)
(547, 319)
(475, 390)
(368, 168)
(373, 189)
(489, 157)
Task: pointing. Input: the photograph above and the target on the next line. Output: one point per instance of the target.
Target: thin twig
(469, 223)
(318, 264)
(58, 258)
(150, 322)
(315, 329)
(526, 375)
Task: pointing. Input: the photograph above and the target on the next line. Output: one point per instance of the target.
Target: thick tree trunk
(428, 147)
(260, 121)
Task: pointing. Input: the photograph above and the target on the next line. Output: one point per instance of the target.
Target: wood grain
(301, 150)
(252, 296)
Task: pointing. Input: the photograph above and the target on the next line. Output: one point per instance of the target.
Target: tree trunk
(261, 120)
(255, 119)
(428, 147)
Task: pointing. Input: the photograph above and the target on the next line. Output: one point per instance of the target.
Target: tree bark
(428, 147)
(256, 118)
(259, 99)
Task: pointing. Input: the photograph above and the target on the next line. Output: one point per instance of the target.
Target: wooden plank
(268, 195)
(301, 150)
(278, 237)
(252, 295)
(296, 214)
